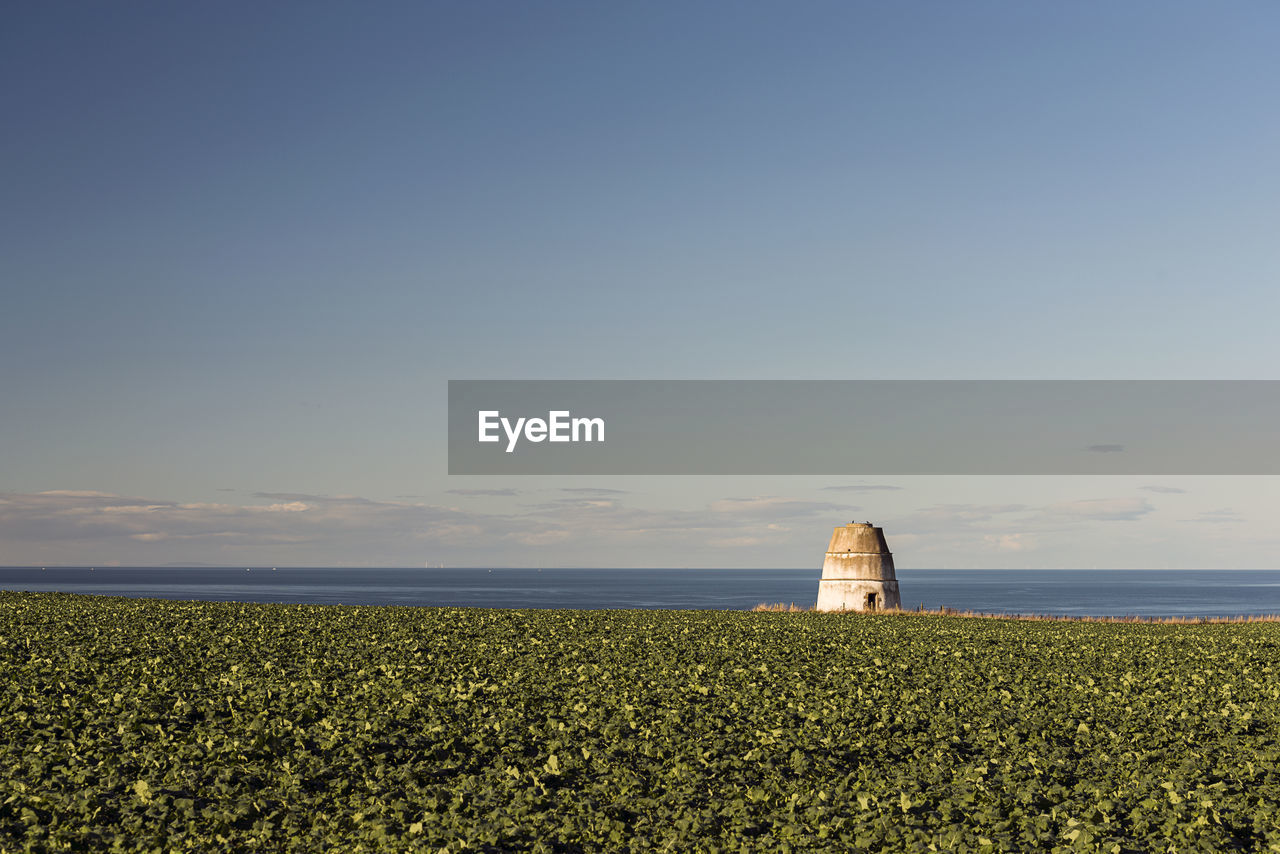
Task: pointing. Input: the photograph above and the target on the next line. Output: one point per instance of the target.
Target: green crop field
(153, 725)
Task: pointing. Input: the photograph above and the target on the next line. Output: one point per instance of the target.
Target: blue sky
(245, 246)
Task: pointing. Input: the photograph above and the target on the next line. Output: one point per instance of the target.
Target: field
(153, 725)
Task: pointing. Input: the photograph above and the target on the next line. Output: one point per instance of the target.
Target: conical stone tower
(858, 572)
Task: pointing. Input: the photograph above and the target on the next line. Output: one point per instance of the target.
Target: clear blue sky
(243, 246)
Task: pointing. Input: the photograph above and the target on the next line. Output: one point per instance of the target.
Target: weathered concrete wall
(857, 573)
(848, 565)
(840, 595)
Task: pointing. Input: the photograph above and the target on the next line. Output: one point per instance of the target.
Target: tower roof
(858, 538)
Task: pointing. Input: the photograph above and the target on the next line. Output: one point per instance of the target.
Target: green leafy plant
(158, 725)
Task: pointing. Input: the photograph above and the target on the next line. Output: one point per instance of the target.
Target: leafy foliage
(156, 725)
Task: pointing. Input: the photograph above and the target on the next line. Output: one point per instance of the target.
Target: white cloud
(582, 527)
(770, 507)
(1101, 509)
(540, 538)
(102, 522)
(737, 542)
(863, 487)
(954, 517)
(1220, 516)
(289, 507)
(1010, 542)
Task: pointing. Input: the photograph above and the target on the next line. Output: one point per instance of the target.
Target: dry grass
(953, 612)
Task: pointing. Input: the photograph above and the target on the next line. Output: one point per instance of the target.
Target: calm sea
(1044, 591)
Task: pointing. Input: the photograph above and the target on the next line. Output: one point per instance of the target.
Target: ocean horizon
(1051, 592)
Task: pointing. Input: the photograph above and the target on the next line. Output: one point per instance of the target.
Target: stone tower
(858, 572)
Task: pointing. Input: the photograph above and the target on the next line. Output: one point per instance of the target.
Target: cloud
(863, 487)
(1166, 490)
(540, 538)
(738, 542)
(289, 507)
(1101, 509)
(593, 490)
(298, 528)
(768, 507)
(1105, 449)
(1002, 519)
(602, 525)
(1224, 515)
(106, 521)
(948, 521)
(471, 492)
(967, 512)
(1010, 542)
(560, 505)
(586, 526)
(290, 496)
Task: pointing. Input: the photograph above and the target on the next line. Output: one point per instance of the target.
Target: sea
(1052, 592)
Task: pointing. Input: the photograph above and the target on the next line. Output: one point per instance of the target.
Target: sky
(243, 247)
